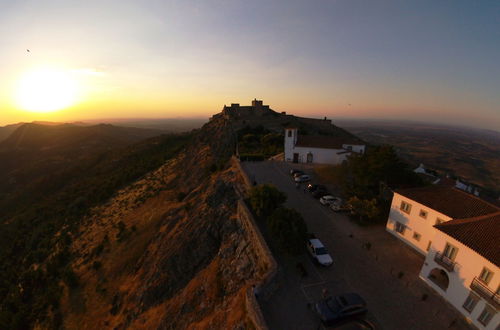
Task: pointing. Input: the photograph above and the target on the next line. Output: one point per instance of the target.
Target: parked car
(329, 199)
(319, 252)
(318, 193)
(297, 174)
(335, 309)
(313, 187)
(293, 171)
(303, 178)
(340, 206)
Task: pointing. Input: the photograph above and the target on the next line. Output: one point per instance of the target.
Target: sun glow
(46, 90)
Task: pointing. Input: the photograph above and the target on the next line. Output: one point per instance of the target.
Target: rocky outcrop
(169, 251)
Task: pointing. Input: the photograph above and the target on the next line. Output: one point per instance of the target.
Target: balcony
(444, 262)
(484, 292)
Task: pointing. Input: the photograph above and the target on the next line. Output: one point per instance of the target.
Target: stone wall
(261, 249)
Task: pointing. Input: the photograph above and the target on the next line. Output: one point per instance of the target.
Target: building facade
(459, 236)
(318, 149)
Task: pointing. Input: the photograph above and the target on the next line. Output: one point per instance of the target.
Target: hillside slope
(168, 251)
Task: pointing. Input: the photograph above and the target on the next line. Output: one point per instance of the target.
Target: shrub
(181, 195)
(96, 265)
(365, 209)
(70, 278)
(288, 229)
(265, 198)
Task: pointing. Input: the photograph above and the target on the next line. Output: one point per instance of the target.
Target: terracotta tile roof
(326, 142)
(481, 234)
(450, 201)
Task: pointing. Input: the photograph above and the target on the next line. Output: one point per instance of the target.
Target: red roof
(325, 142)
(450, 201)
(481, 234)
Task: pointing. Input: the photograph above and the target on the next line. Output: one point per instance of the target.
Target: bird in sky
(28, 50)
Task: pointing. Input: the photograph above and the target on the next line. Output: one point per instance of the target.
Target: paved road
(386, 275)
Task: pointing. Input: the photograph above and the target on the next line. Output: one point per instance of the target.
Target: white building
(318, 149)
(459, 234)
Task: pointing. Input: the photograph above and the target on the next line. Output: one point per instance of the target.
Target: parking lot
(385, 275)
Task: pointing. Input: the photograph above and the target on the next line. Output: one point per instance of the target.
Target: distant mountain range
(42, 136)
(159, 126)
(471, 154)
(171, 125)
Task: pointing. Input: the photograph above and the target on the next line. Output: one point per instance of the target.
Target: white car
(318, 251)
(329, 200)
(303, 178)
(339, 206)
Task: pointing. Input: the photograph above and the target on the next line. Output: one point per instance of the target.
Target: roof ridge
(476, 197)
(458, 221)
(465, 193)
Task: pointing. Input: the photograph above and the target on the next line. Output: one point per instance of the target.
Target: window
(416, 236)
(439, 221)
(486, 275)
(450, 251)
(400, 228)
(423, 214)
(405, 207)
(289, 133)
(486, 315)
(470, 302)
(428, 246)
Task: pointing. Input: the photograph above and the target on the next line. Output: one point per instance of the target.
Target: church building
(318, 149)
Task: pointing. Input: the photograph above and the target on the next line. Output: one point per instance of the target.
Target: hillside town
(451, 266)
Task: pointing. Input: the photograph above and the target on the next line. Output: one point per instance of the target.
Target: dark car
(318, 193)
(313, 187)
(294, 171)
(335, 309)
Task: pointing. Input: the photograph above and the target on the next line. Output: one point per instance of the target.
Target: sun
(46, 90)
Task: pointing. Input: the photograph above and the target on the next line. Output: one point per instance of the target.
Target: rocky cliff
(168, 251)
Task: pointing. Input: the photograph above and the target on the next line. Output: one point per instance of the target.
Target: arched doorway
(440, 278)
(309, 157)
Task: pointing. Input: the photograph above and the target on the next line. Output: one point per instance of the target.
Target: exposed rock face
(168, 251)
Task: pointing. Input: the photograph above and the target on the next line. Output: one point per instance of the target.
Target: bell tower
(290, 141)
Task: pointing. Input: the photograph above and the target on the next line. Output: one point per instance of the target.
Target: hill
(168, 125)
(471, 154)
(5, 131)
(97, 231)
(33, 153)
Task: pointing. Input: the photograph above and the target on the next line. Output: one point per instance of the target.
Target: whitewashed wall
(413, 222)
(359, 148)
(469, 265)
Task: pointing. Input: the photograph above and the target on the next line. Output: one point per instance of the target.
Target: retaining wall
(262, 250)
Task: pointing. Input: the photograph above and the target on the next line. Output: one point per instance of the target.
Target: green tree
(265, 198)
(366, 209)
(362, 175)
(288, 229)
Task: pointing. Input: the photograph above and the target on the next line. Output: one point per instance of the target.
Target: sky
(434, 61)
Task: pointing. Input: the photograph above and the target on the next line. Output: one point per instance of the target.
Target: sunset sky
(435, 61)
